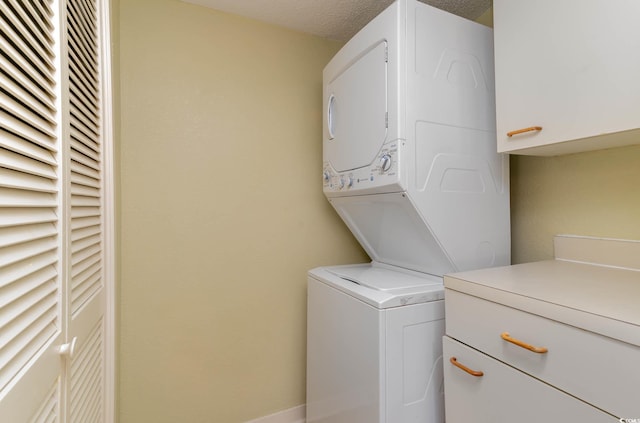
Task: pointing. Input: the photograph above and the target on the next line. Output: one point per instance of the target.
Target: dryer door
(356, 111)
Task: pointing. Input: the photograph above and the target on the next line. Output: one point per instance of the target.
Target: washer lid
(380, 285)
(383, 279)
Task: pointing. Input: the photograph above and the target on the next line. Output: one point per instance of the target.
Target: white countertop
(594, 297)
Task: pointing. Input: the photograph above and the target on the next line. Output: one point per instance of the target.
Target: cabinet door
(503, 394)
(569, 67)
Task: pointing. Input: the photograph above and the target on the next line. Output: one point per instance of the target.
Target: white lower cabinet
(550, 341)
(504, 394)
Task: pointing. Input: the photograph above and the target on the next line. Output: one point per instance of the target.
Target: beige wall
(486, 18)
(222, 212)
(594, 193)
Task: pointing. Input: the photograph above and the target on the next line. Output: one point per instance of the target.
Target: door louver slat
(17, 127)
(26, 182)
(84, 21)
(35, 12)
(12, 235)
(26, 250)
(42, 94)
(27, 336)
(83, 155)
(28, 30)
(25, 166)
(84, 51)
(13, 273)
(18, 216)
(25, 98)
(85, 290)
(80, 143)
(18, 52)
(83, 190)
(80, 79)
(30, 150)
(83, 103)
(24, 114)
(17, 198)
(78, 43)
(83, 124)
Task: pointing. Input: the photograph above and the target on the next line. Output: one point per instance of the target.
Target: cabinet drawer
(505, 395)
(599, 370)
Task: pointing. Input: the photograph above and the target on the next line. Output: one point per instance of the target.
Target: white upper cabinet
(567, 75)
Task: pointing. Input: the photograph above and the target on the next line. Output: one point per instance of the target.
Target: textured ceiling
(333, 19)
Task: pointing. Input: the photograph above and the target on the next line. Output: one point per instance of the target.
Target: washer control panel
(383, 171)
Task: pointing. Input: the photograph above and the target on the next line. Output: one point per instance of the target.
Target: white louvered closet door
(52, 213)
(31, 323)
(86, 293)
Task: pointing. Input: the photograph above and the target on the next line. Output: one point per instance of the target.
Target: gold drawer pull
(539, 350)
(475, 373)
(523, 130)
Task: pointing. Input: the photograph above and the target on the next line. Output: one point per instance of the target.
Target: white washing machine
(372, 351)
(410, 165)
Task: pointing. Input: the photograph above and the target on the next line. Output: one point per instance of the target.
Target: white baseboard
(292, 415)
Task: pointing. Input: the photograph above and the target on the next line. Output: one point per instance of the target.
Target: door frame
(109, 215)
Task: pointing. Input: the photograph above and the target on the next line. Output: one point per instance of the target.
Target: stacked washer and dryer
(410, 165)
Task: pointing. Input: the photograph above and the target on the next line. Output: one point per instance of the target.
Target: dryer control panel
(382, 175)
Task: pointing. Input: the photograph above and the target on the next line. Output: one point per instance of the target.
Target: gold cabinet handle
(508, 338)
(475, 373)
(523, 130)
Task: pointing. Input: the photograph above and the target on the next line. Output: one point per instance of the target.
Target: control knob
(385, 162)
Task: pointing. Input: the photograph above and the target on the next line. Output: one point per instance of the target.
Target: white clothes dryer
(373, 348)
(409, 142)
